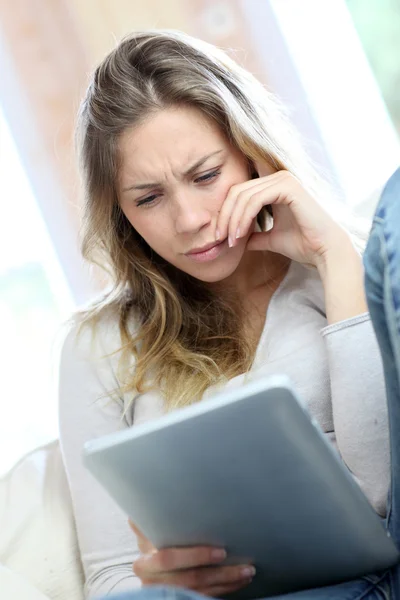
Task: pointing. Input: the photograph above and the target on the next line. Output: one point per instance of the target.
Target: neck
(256, 271)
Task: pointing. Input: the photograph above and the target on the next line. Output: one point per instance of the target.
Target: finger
(276, 189)
(220, 591)
(280, 189)
(249, 203)
(261, 240)
(199, 578)
(135, 528)
(246, 210)
(238, 194)
(172, 559)
(229, 203)
(145, 546)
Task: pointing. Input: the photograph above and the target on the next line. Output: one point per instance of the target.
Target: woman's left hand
(302, 229)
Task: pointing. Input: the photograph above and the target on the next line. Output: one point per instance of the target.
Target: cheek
(139, 223)
(153, 229)
(240, 176)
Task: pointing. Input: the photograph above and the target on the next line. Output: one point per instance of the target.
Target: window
(378, 25)
(33, 302)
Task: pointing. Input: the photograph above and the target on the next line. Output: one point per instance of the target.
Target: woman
(382, 282)
(225, 265)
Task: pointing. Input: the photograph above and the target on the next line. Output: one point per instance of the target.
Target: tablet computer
(250, 471)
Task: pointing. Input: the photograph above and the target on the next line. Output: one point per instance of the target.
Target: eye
(148, 200)
(208, 176)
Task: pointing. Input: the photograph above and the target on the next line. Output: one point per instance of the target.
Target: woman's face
(177, 169)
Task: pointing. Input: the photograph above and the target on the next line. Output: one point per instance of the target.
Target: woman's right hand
(196, 568)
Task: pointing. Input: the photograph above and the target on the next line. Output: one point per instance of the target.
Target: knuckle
(228, 575)
(251, 212)
(219, 576)
(235, 188)
(230, 194)
(202, 556)
(137, 568)
(227, 202)
(165, 560)
(241, 197)
(225, 217)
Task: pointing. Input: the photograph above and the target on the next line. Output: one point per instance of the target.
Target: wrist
(342, 273)
(338, 259)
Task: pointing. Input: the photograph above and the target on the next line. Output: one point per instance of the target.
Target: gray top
(337, 369)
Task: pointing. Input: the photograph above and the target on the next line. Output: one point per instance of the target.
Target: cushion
(14, 586)
(38, 542)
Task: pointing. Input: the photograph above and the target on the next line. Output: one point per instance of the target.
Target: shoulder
(92, 348)
(90, 341)
(89, 364)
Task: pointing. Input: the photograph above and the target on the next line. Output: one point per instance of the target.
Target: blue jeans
(382, 284)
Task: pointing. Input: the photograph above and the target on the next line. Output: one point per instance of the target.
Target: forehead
(173, 137)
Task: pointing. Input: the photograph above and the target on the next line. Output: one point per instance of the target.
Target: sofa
(39, 555)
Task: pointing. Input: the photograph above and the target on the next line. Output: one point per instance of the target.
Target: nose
(190, 214)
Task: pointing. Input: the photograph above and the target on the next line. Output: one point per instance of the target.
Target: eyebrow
(189, 171)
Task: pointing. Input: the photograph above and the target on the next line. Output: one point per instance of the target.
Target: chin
(214, 274)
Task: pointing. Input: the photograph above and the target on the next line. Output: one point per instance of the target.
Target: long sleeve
(359, 405)
(108, 546)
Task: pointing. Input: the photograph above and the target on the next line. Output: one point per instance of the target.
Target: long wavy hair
(177, 335)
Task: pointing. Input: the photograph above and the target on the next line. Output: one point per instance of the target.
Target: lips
(204, 248)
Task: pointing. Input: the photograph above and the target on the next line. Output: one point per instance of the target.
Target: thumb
(260, 240)
(134, 528)
(145, 546)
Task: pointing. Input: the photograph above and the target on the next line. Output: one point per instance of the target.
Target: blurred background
(336, 64)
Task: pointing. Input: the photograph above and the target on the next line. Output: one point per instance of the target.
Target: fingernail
(217, 234)
(238, 233)
(230, 242)
(248, 572)
(218, 554)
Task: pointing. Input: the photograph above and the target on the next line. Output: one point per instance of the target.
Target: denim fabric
(382, 284)
(363, 589)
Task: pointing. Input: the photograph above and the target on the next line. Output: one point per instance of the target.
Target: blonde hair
(185, 337)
